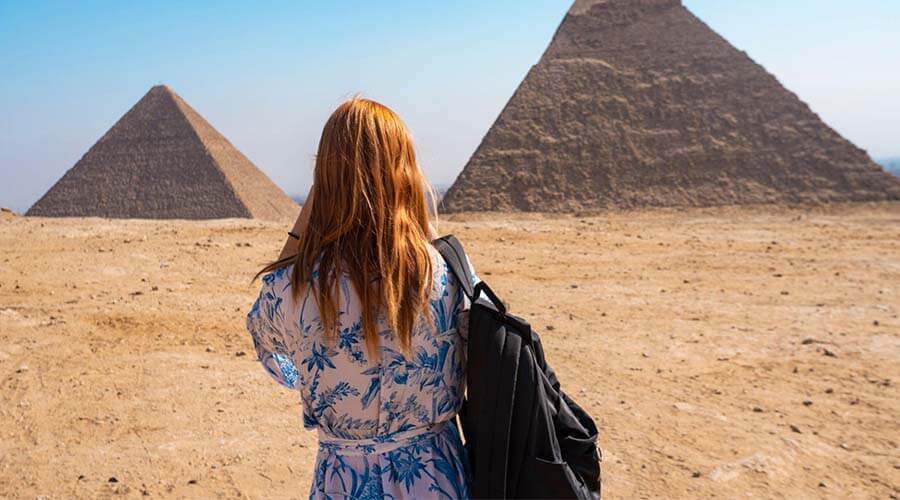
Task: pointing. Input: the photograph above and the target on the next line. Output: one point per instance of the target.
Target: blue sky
(267, 74)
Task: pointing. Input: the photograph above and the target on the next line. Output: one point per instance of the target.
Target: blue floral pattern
(386, 428)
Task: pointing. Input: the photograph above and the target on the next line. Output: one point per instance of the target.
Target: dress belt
(378, 444)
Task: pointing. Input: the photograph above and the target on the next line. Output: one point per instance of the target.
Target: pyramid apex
(583, 6)
(162, 89)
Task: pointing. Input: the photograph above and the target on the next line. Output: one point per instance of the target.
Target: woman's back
(385, 425)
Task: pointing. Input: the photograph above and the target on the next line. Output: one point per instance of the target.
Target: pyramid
(637, 103)
(162, 160)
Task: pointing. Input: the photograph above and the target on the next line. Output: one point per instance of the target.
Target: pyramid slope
(260, 195)
(161, 160)
(638, 103)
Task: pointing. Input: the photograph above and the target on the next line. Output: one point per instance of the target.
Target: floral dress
(386, 427)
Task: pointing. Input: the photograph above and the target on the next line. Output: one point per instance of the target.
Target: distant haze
(268, 77)
(892, 165)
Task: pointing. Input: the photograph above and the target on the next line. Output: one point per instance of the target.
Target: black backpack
(524, 436)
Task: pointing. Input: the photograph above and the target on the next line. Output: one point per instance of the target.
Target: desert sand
(724, 352)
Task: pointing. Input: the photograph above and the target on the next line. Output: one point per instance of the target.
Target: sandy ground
(725, 353)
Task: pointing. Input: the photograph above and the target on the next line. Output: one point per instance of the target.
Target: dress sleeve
(272, 340)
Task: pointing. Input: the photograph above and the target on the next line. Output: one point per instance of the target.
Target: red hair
(369, 219)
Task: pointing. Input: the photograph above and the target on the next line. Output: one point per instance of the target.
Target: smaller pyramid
(162, 160)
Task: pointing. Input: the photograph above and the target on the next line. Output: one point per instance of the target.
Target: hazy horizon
(267, 79)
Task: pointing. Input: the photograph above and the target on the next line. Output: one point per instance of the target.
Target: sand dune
(724, 352)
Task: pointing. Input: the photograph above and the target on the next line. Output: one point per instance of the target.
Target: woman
(359, 316)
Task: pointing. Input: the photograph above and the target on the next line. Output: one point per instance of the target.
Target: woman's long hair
(369, 219)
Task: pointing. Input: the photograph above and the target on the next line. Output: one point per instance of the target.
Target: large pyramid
(638, 103)
(162, 160)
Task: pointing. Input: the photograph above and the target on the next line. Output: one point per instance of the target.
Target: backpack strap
(452, 252)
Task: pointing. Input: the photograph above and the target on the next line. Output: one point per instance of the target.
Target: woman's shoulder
(437, 261)
(278, 281)
(444, 282)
